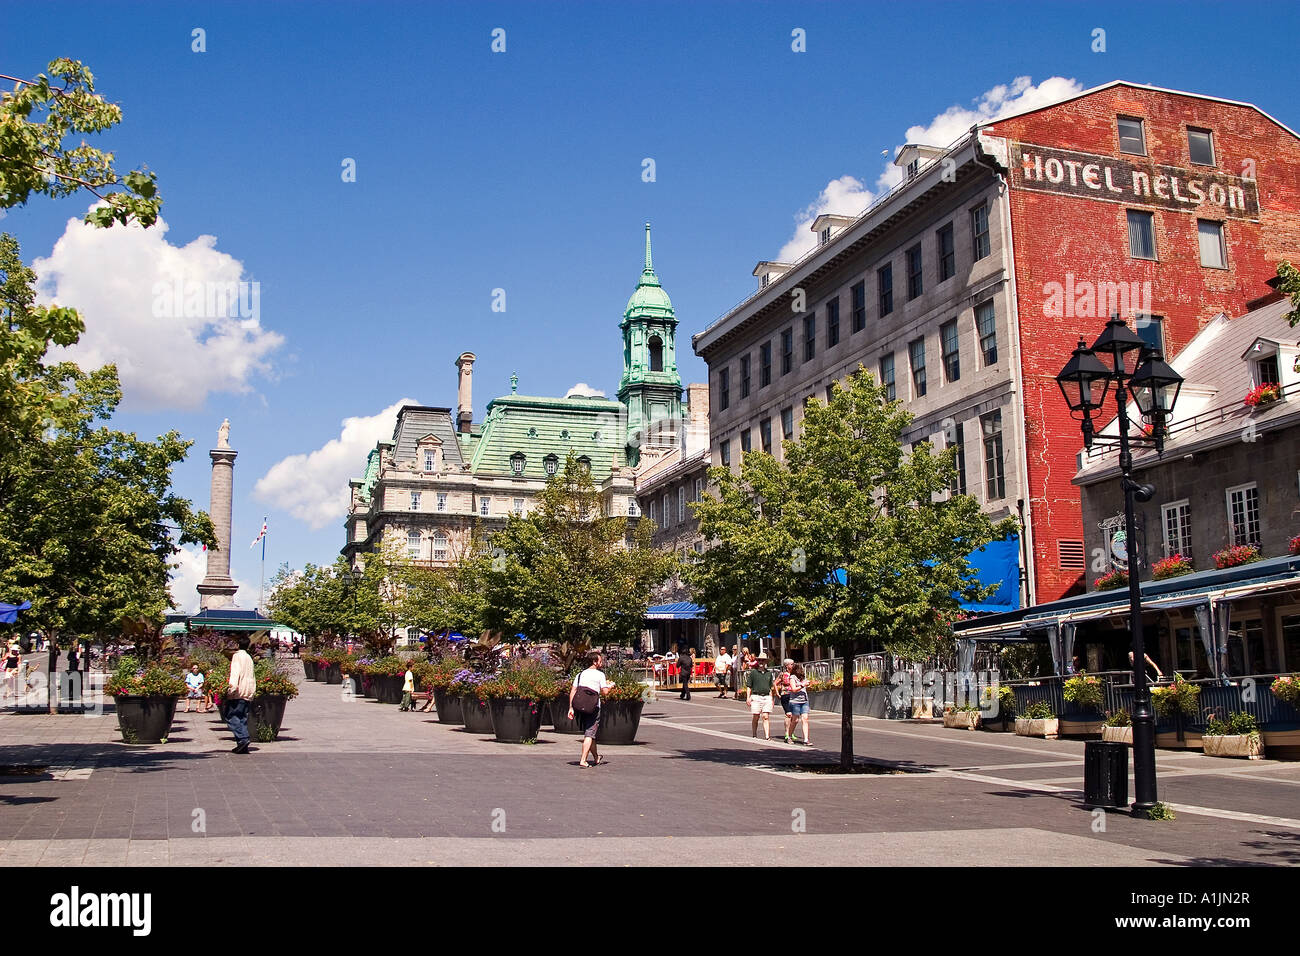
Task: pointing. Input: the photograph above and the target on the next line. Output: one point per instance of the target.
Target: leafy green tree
(568, 571)
(35, 120)
(849, 542)
(437, 600)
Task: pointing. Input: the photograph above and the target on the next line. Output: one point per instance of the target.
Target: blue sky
(519, 170)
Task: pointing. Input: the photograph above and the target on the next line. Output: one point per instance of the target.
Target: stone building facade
(967, 286)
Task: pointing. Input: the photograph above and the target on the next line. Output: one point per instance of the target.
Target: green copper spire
(649, 266)
(649, 299)
(651, 387)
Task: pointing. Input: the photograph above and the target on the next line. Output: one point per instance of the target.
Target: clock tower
(651, 388)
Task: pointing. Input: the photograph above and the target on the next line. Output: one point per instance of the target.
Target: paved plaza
(355, 782)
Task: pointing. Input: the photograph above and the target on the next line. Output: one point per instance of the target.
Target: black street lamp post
(1142, 375)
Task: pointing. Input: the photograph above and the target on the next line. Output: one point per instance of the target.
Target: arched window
(551, 464)
(439, 546)
(656, 354)
(413, 544)
(517, 463)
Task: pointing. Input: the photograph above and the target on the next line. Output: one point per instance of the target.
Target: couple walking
(789, 686)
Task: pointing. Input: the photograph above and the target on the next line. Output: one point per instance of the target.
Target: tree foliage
(568, 571)
(850, 542)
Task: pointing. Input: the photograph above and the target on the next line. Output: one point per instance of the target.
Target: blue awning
(9, 612)
(998, 563)
(679, 611)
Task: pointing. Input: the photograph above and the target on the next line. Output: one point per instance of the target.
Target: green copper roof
(538, 427)
(372, 473)
(649, 299)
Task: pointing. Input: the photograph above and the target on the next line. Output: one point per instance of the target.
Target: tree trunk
(846, 710)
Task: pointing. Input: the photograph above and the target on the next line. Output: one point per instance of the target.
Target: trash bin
(1105, 774)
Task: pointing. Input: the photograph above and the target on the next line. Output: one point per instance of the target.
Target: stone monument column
(218, 589)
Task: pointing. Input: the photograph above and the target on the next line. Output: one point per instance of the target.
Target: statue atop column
(223, 434)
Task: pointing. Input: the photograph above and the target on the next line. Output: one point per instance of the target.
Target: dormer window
(517, 464)
(1266, 371)
(550, 464)
(430, 459)
(913, 168)
(585, 464)
(826, 235)
(764, 279)
(429, 453)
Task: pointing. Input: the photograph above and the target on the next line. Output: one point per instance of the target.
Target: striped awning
(679, 611)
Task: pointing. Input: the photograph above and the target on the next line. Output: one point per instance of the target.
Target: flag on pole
(260, 535)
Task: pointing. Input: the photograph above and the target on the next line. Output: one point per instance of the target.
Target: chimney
(464, 393)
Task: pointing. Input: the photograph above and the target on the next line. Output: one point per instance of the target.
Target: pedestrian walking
(759, 680)
(194, 688)
(408, 688)
(13, 660)
(584, 707)
(722, 672)
(685, 669)
(799, 704)
(783, 695)
(242, 687)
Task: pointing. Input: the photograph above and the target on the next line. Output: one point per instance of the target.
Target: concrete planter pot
(387, 688)
(559, 717)
(309, 669)
(265, 716)
(447, 705)
(515, 720)
(334, 674)
(1047, 728)
(478, 715)
(619, 720)
(962, 719)
(830, 701)
(1117, 735)
(1250, 746)
(870, 702)
(923, 708)
(144, 720)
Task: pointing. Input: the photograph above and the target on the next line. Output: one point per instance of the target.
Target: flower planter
(368, 687)
(387, 688)
(831, 701)
(1037, 727)
(1073, 725)
(309, 669)
(1250, 746)
(1117, 735)
(448, 706)
(334, 674)
(870, 701)
(962, 720)
(560, 717)
(619, 720)
(922, 708)
(997, 725)
(144, 720)
(477, 714)
(515, 720)
(265, 716)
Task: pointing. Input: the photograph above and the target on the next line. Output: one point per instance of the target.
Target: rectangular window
(830, 392)
(746, 439)
(832, 323)
(1243, 514)
(1151, 330)
(859, 306)
(1141, 235)
(413, 545)
(442, 501)
(987, 327)
(724, 455)
(947, 253)
(1131, 138)
(979, 230)
(519, 506)
(787, 351)
(654, 512)
(1176, 519)
(724, 388)
(885, 280)
(668, 514)
(429, 459)
(632, 509)
(1214, 255)
(765, 434)
(699, 489)
(484, 505)
(809, 337)
(1266, 371)
(415, 501)
(949, 341)
(765, 365)
(681, 504)
(1200, 146)
(959, 442)
(440, 547)
(916, 349)
(887, 376)
(914, 284)
(995, 479)
(744, 376)
(787, 422)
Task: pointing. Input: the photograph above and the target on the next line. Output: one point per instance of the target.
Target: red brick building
(1212, 185)
(965, 288)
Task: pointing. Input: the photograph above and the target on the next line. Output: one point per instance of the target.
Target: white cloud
(583, 390)
(848, 196)
(192, 564)
(313, 487)
(168, 355)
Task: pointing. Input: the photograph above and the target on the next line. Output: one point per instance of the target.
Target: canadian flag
(260, 535)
